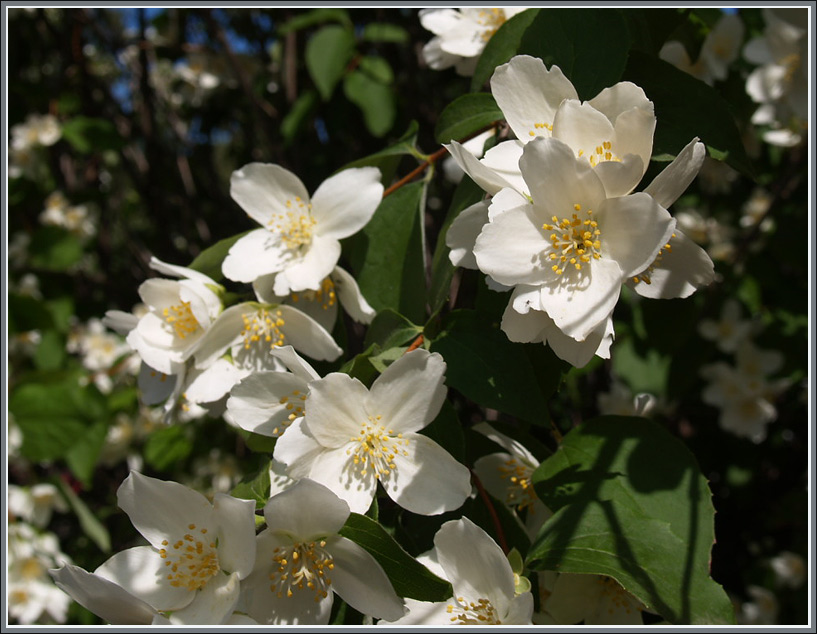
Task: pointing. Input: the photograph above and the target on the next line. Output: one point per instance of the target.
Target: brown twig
(500, 534)
(415, 344)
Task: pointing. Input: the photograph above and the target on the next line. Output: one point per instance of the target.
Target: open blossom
(730, 330)
(302, 562)
(351, 438)
(35, 504)
(59, 212)
(300, 237)
(482, 579)
(592, 600)
(179, 312)
(572, 245)
(460, 35)
(198, 553)
(720, 48)
(613, 132)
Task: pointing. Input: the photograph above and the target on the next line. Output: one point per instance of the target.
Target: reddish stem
(500, 534)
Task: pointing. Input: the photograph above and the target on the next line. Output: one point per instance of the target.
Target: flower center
(191, 562)
(491, 19)
(791, 63)
(295, 404)
(376, 448)
(481, 612)
(573, 240)
(601, 153)
(520, 490)
(538, 128)
(295, 225)
(305, 564)
(265, 325)
(646, 275)
(181, 318)
(325, 295)
(31, 569)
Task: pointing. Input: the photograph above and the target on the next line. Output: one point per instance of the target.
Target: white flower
(761, 610)
(742, 391)
(267, 403)
(482, 579)
(507, 476)
(789, 568)
(612, 132)
(730, 331)
(36, 130)
(592, 600)
(619, 401)
(59, 212)
(300, 237)
(302, 561)
(572, 244)
(198, 551)
(720, 48)
(179, 312)
(321, 304)
(350, 438)
(461, 35)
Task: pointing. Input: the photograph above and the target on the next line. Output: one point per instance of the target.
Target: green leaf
(375, 100)
(642, 373)
(87, 520)
(388, 159)
(685, 108)
(384, 32)
(303, 107)
(48, 437)
(209, 261)
(377, 68)
(502, 46)
(167, 446)
(389, 329)
(630, 502)
(488, 368)
(87, 134)
(388, 255)
(54, 249)
(360, 367)
(327, 54)
(466, 115)
(82, 457)
(316, 16)
(442, 271)
(256, 487)
(409, 577)
(27, 313)
(589, 45)
(650, 28)
(50, 353)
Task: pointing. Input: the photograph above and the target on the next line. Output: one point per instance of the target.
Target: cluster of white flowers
(563, 228)
(742, 391)
(100, 351)
(780, 82)
(77, 219)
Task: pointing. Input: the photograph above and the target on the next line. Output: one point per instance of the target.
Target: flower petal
(345, 202)
(673, 180)
(307, 336)
(423, 613)
(427, 480)
(633, 229)
(579, 353)
(211, 384)
(308, 271)
(162, 510)
(503, 159)
(141, 571)
(361, 582)
(236, 533)
(463, 232)
(226, 329)
(306, 511)
(351, 298)
(337, 471)
(617, 99)
(336, 409)
(529, 94)
(481, 174)
(258, 253)
(297, 449)
(179, 271)
(263, 189)
(410, 393)
(107, 600)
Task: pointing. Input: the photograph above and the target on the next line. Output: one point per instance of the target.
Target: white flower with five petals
(300, 237)
(351, 438)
